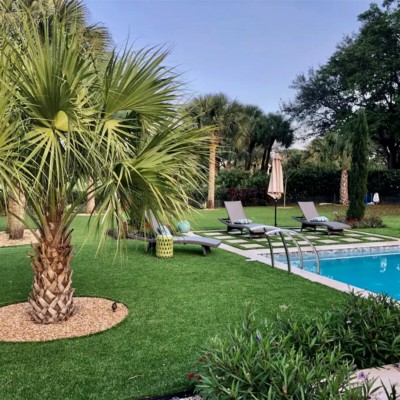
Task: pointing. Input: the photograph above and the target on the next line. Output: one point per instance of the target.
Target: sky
(250, 50)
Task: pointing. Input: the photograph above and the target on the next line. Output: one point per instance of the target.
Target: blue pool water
(378, 272)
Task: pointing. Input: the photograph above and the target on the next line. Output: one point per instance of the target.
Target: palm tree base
(52, 295)
(48, 307)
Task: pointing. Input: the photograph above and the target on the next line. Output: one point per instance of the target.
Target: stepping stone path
(251, 246)
(245, 242)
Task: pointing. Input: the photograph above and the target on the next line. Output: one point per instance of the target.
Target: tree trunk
(247, 164)
(52, 296)
(393, 158)
(91, 201)
(211, 173)
(250, 150)
(269, 149)
(264, 160)
(15, 228)
(344, 187)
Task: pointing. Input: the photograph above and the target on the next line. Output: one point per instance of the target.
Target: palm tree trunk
(264, 159)
(269, 149)
(15, 228)
(52, 296)
(211, 173)
(247, 164)
(250, 150)
(344, 187)
(91, 201)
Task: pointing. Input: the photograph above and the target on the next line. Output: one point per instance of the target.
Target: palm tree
(220, 117)
(333, 150)
(277, 129)
(253, 124)
(94, 38)
(82, 119)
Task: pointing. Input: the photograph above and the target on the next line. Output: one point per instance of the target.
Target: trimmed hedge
(386, 183)
(307, 182)
(248, 196)
(310, 181)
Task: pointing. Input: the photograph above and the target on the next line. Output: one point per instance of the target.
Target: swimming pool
(376, 270)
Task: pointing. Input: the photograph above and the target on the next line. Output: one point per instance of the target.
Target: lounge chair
(205, 243)
(310, 213)
(238, 220)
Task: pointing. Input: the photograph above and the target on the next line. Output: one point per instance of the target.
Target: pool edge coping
(260, 256)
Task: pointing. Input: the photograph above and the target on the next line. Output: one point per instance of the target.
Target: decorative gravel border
(92, 315)
(28, 238)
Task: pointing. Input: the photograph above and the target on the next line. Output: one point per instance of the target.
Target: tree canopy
(364, 72)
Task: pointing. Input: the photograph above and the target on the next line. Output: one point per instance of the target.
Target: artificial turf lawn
(175, 306)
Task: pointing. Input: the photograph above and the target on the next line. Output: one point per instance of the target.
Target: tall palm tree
(220, 117)
(82, 119)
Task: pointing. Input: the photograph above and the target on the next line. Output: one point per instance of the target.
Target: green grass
(175, 306)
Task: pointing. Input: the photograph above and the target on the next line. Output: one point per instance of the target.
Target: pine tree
(359, 169)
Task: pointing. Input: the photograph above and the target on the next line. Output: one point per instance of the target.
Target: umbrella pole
(275, 210)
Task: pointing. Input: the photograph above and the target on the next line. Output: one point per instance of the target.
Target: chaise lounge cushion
(243, 221)
(319, 219)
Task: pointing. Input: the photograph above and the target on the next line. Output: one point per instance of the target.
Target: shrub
(368, 329)
(262, 362)
(308, 182)
(311, 181)
(369, 221)
(231, 178)
(309, 358)
(386, 183)
(248, 196)
(259, 180)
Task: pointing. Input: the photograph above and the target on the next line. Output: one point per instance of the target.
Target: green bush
(231, 178)
(369, 221)
(261, 362)
(386, 183)
(258, 180)
(368, 328)
(309, 358)
(248, 196)
(312, 181)
(309, 181)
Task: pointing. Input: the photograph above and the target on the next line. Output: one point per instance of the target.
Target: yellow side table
(164, 246)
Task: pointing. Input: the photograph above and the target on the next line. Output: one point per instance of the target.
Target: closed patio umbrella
(275, 187)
